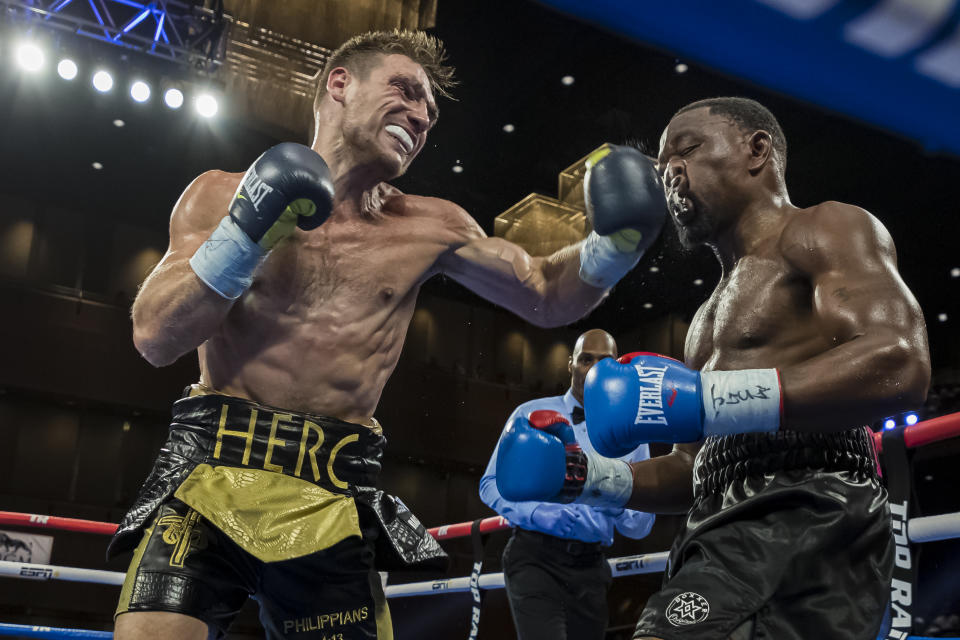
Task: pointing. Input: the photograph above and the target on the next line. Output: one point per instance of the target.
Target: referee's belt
(570, 547)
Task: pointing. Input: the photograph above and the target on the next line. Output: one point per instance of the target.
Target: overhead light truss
(193, 34)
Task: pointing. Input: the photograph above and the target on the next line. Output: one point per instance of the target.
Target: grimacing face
(388, 114)
(698, 161)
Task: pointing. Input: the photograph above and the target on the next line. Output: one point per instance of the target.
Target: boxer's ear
(337, 83)
(761, 150)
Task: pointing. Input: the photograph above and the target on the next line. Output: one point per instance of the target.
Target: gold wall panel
(542, 224)
(330, 22)
(276, 48)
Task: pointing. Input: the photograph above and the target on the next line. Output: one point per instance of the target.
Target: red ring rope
(925, 432)
(445, 532)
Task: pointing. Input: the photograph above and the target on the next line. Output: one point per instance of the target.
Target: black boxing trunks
(247, 500)
(789, 537)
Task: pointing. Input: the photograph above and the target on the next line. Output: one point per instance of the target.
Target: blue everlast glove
(534, 464)
(531, 463)
(626, 205)
(645, 397)
(288, 186)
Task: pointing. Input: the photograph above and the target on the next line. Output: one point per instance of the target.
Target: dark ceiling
(510, 56)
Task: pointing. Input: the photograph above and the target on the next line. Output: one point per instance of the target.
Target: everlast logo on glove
(256, 189)
(650, 407)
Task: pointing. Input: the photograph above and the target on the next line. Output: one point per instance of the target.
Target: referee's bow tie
(577, 415)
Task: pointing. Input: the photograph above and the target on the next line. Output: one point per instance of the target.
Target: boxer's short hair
(750, 116)
(360, 53)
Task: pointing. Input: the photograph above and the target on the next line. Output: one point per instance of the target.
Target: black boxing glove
(288, 186)
(626, 205)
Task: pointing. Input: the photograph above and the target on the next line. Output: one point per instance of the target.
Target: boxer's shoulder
(204, 202)
(443, 214)
(821, 233)
(214, 182)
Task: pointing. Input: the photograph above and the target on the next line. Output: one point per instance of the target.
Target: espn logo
(36, 573)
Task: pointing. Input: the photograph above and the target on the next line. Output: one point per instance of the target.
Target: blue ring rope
(36, 631)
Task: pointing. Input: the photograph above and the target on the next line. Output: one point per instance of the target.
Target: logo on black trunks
(687, 608)
(183, 533)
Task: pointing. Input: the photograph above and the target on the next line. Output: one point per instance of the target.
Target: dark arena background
(868, 94)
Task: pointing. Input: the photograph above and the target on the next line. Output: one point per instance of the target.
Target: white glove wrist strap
(744, 401)
(602, 264)
(227, 260)
(609, 482)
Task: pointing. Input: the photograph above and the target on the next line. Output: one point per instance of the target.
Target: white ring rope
(925, 529)
(51, 572)
(625, 566)
(933, 528)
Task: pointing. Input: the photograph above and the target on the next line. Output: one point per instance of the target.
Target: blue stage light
(889, 423)
(911, 418)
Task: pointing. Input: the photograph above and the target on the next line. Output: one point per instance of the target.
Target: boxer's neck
(757, 221)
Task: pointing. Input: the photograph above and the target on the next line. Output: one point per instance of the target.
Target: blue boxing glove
(645, 397)
(288, 186)
(626, 205)
(534, 463)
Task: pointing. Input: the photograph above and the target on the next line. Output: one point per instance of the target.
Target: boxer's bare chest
(355, 267)
(759, 315)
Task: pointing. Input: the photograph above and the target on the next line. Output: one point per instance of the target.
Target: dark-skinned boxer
(809, 334)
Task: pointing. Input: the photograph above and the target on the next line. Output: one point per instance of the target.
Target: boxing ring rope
(917, 435)
(33, 631)
(926, 432)
(920, 529)
(444, 532)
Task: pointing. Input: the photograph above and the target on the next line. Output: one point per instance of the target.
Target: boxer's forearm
(545, 291)
(174, 313)
(856, 383)
(565, 296)
(663, 484)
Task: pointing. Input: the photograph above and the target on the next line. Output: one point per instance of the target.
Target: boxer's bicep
(197, 213)
(856, 289)
(877, 361)
(173, 311)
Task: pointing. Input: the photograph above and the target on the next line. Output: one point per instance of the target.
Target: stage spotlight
(889, 423)
(173, 98)
(29, 57)
(67, 69)
(207, 105)
(140, 91)
(102, 81)
(911, 419)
